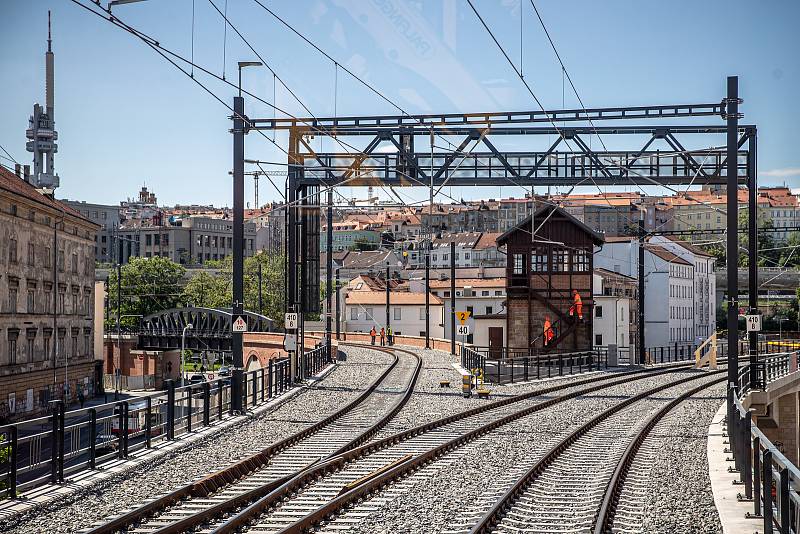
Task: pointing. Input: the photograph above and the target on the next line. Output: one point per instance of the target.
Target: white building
(670, 286)
(478, 296)
(614, 313)
(367, 309)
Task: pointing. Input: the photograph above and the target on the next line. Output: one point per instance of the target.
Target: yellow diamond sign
(462, 316)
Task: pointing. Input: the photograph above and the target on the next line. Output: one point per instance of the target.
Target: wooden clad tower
(541, 273)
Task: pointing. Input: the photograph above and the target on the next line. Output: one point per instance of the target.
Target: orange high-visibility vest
(577, 298)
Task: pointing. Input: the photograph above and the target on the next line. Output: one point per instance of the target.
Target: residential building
(351, 235)
(615, 312)
(191, 240)
(477, 296)
(46, 300)
(367, 309)
(109, 220)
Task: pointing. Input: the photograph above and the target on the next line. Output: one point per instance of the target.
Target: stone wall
(783, 427)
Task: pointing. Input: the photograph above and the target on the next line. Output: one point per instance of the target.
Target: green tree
(767, 255)
(790, 256)
(149, 285)
(216, 290)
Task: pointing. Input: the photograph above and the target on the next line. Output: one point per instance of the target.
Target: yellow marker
(462, 316)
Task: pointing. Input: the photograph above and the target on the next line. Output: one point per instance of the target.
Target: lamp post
(243, 64)
(183, 348)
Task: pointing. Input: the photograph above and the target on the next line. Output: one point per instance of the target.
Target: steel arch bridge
(211, 328)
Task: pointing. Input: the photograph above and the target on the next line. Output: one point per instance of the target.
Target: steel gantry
(414, 158)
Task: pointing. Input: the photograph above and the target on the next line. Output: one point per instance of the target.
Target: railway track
(326, 488)
(249, 479)
(575, 486)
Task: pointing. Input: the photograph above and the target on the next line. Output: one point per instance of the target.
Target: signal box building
(542, 273)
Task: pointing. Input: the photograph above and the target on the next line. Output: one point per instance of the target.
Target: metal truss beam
(332, 124)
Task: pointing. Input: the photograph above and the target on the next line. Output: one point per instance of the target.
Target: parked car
(197, 378)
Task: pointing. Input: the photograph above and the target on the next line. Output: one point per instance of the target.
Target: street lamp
(183, 348)
(243, 64)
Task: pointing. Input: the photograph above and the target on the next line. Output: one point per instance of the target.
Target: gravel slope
(81, 509)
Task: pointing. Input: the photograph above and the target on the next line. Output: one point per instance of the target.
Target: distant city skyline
(126, 117)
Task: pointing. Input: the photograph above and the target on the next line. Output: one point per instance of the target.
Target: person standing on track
(372, 335)
(390, 336)
(383, 337)
(548, 330)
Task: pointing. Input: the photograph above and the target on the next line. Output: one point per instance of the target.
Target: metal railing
(523, 368)
(46, 449)
(767, 369)
(770, 480)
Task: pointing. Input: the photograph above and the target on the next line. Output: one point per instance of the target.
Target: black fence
(524, 367)
(769, 479)
(46, 449)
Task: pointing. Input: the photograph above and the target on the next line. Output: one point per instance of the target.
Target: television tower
(41, 131)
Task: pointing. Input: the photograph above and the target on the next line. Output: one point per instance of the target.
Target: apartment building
(108, 218)
(46, 301)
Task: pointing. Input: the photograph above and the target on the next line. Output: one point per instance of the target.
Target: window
(12, 346)
(32, 300)
(580, 261)
(75, 263)
(540, 260)
(31, 346)
(498, 293)
(61, 301)
(485, 293)
(354, 314)
(598, 339)
(74, 344)
(61, 261)
(519, 263)
(489, 310)
(397, 313)
(47, 263)
(447, 294)
(46, 346)
(598, 311)
(12, 299)
(31, 253)
(560, 260)
(369, 313)
(87, 343)
(422, 315)
(12, 250)
(148, 239)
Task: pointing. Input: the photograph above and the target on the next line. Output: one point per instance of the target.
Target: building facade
(47, 303)
(107, 217)
(542, 276)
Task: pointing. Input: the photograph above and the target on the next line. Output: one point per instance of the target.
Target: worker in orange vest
(548, 331)
(577, 305)
(372, 334)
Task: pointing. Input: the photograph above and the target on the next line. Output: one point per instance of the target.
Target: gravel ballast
(446, 495)
(81, 509)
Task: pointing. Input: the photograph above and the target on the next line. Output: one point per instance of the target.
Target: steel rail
(231, 474)
(494, 515)
(608, 508)
(319, 470)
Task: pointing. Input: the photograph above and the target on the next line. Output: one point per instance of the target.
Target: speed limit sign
(462, 330)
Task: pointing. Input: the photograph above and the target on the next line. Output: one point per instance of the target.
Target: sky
(126, 117)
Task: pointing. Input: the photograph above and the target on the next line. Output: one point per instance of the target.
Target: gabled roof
(399, 299)
(544, 212)
(694, 249)
(17, 186)
(665, 254)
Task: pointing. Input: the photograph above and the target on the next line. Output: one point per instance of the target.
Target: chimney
(18, 170)
(27, 172)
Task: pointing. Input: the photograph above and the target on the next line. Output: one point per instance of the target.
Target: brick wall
(784, 426)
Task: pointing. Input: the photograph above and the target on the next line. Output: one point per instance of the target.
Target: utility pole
(338, 305)
(119, 318)
(388, 318)
(260, 298)
(329, 273)
(732, 117)
(641, 345)
(453, 297)
(428, 296)
(756, 367)
(238, 247)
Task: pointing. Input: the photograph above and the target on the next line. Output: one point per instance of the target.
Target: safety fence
(522, 368)
(46, 449)
(764, 370)
(770, 480)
